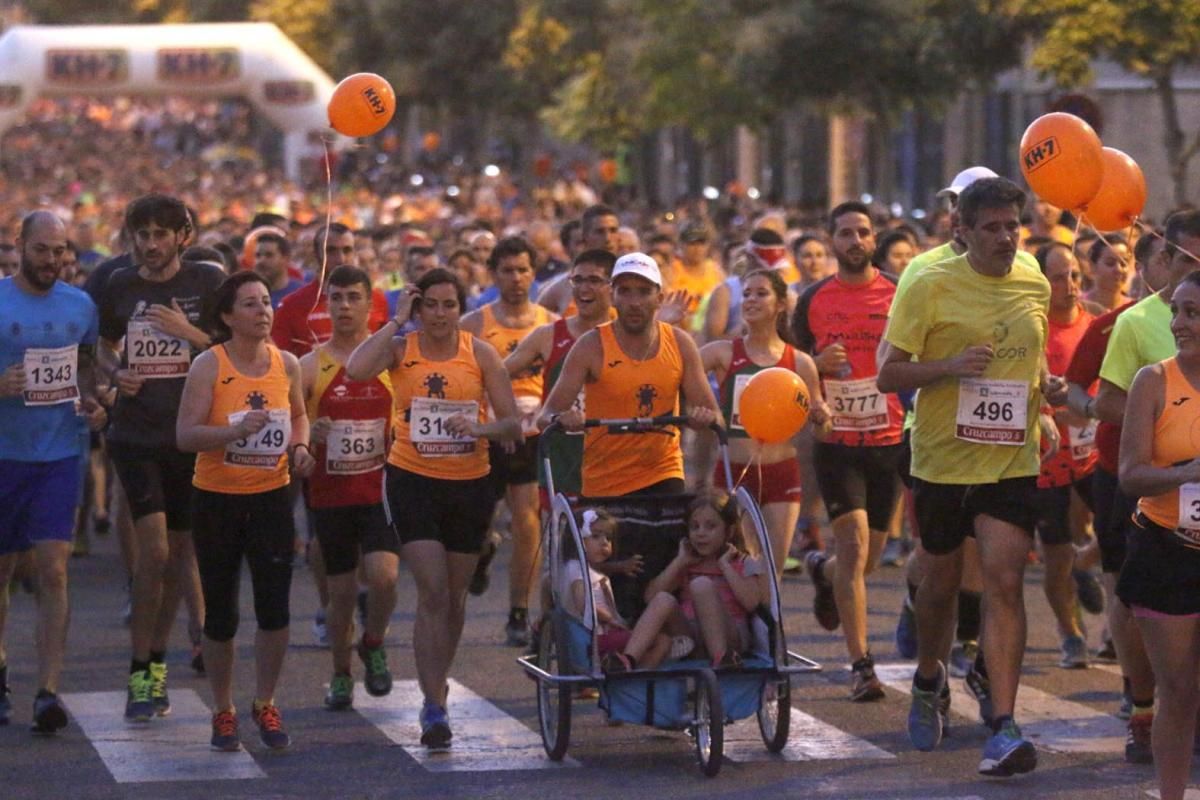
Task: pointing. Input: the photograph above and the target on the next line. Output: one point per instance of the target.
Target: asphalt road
(837, 749)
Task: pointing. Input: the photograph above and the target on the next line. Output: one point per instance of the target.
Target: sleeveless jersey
(259, 462)
(351, 459)
(505, 340)
(426, 394)
(1176, 439)
(617, 464)
(1076, 456)
(741, 370)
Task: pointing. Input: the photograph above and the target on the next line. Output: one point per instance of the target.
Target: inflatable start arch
(253, 60)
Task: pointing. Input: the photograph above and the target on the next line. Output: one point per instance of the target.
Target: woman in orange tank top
(1160, 580)
(436, 492)
(242, 410)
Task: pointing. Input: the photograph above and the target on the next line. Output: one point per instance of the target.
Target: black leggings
(226, 527)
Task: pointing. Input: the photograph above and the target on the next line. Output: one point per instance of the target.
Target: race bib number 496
(992, 411)
(427, 426)
(50, 375)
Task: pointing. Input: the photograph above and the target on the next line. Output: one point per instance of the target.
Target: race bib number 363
(427, 426)
(50, 375)
(992, 411)
(355, 446)
(261, 450)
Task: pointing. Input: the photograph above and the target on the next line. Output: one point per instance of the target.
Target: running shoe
(516, 630)
(924, 716)
(864, 685)
(1137, 740)
(962, 658)
(893, 553)
(1125, 709)
(906, 630)
(319, 630)
(1074, 653)
(824, 605)
(139, 705)
(980, 687)
(341, 693)
(225, 732)
(482, 577)
(806, 538)
(270, 726)
(378, 679)
(1089, 591)
(49, 716)
(1007, 753)
(158, 689)
(944, 709)
(681, 646)
(435, 726)
(1107, 652)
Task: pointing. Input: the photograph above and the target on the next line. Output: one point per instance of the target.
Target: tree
(1150, 38)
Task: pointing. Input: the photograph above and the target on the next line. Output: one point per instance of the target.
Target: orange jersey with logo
(617, 464)
(505, 340)
(350, 460)
(1175, 441)
(259, 462)
(426, 394)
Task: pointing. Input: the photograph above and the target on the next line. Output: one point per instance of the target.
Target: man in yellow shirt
(977, 329)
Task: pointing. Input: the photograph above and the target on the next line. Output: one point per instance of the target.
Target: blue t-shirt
(277, 295)
(63, 317)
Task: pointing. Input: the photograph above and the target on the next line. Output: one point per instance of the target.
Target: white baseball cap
(964, 179)
(638, 264)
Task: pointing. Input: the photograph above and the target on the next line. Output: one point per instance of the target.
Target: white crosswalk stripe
(1051, 723)
(809, 739)
(174, 748)
(485, 737)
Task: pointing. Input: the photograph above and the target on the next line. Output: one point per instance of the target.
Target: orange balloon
(362, 105)
(1122, 195)
(774, 405)
(1061, 160)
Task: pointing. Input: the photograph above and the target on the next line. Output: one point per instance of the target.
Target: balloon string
(324, 244)
(1147, 229)
(755, 459)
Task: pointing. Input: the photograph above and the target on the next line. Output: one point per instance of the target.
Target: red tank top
(350, 462)
(741, 370)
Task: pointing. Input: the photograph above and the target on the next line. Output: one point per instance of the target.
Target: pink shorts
(1141, 612)
(613, 640)
(767, 483)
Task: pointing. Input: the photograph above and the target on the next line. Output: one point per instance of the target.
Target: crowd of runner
(1013, 392)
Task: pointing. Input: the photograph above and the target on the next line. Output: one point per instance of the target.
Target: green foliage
(1146, 37)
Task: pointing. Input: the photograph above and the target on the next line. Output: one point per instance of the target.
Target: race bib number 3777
(992, 411)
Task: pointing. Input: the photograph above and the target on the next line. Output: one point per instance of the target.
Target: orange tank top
(427, 394)
(1176, 439)
(257, 463)
(505, 340)
(617, 464)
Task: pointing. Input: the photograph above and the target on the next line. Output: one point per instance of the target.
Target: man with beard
(154, 306)
(47, 352)
(503, 323)
(636, 366)
(840, 321)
